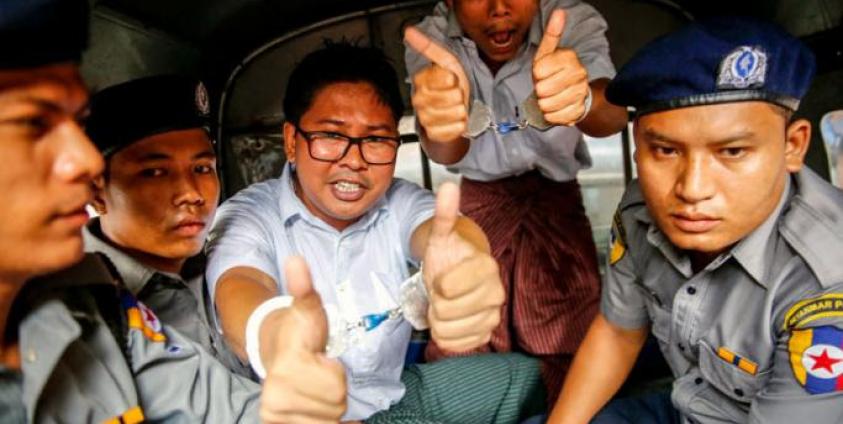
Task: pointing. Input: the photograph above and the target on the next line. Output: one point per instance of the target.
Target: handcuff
(480, 117)
(413, 306)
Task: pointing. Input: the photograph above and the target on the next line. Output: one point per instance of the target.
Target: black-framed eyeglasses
(329, 146)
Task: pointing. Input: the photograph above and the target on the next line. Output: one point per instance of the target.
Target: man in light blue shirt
(338, 206)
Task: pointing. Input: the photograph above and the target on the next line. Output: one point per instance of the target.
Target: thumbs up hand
(560, 80)
(464, 284)
(302, 384)
(441, 93)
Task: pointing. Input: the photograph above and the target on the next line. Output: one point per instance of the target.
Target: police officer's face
(498, 27)
(712, 174)
(159, 197)
(48, 165)
(340, 192)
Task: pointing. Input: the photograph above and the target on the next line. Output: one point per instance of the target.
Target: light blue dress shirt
(265, 223)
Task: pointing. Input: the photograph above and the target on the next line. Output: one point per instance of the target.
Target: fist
(441, 93)
(302, 385)
(466, 292)
(560, 80)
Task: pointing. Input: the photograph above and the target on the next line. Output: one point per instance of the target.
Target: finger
(273, 417)
(446, 133)
(466, 276)
(571, 96)
(436, 78)
(311, 331)
(463, 345)
(325, 381)
(447, 210)
(297, 274)
(289, 405)
(488, 296)
(477, 326)
(564, 77)
(432, 50)
(438, 55)
(431, 117)
(552, 34)
(566, 116)
(432, 98)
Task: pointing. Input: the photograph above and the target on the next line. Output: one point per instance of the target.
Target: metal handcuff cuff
(480, 117)
(412, 307)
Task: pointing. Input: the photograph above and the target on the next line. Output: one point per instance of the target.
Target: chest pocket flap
(738, 377)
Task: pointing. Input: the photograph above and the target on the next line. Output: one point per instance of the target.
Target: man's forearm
(445, 153)
(600, 366)
(239, 292)
(604, 118)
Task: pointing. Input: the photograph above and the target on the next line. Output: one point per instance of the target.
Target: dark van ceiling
(231, 28)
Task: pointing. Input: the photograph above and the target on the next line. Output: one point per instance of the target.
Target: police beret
(720, 60)
(125, 113)
(41, 32)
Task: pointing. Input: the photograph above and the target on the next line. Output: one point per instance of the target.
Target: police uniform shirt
(559, 152)
(91, 353)
(180, 301)
(757, 335)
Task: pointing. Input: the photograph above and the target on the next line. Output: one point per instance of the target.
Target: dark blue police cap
(720, 60)
(125, 113)
(41, 32)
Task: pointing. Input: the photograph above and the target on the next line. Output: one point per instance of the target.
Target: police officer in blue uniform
(726, 247)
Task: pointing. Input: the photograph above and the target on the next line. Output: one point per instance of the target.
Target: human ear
(98, 203)
(797, 140)
(290, 142)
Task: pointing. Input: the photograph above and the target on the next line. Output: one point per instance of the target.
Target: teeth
(347, 187)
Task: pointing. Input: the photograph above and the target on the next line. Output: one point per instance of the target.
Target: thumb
(311, 330)
(447, 210)
(438, 55)
(552, 34)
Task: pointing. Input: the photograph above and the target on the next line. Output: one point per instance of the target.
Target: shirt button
(698, 381)
(691, 290)
(31, 356)
(739, 392)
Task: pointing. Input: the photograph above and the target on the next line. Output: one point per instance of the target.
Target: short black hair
(341, 62)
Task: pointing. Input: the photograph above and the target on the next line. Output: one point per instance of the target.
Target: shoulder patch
(816, 357)
(617, 239)
(142, 319)
(805, 311)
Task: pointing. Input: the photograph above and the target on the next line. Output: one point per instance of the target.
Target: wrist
(589, 98)
(254, 325)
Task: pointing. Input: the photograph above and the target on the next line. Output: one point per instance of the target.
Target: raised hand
(560, 80)
(441, 93)
(466, 292)
(302, 385)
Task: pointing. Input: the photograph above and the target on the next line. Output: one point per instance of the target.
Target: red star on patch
(824, 361)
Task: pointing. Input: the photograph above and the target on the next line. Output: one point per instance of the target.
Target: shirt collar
(755, 252)
(292, 207)
(135, 275)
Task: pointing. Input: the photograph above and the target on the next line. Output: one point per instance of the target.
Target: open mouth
(501, 40)
(347, 190)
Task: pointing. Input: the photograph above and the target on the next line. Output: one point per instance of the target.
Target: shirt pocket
(382, 353)
(728, 377)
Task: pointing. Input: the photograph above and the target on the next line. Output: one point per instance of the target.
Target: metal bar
(425, 164)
